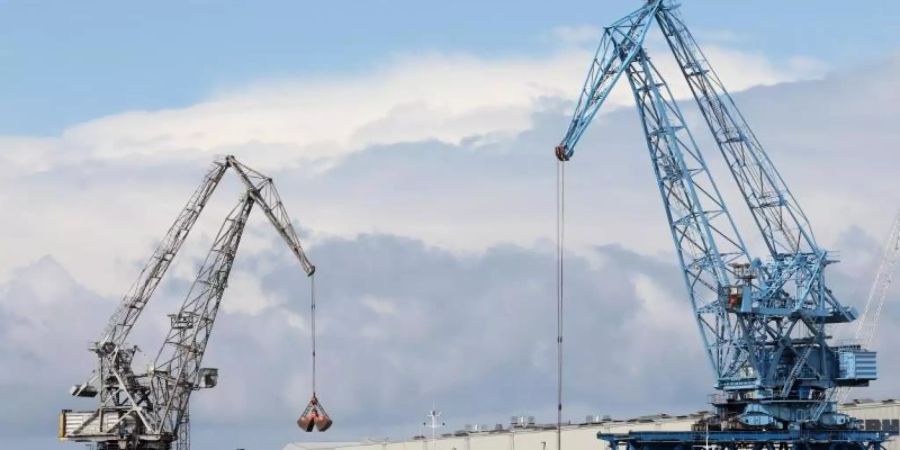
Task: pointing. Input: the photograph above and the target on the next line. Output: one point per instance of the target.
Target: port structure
(149, 410)
(763, 319)
(868, 323)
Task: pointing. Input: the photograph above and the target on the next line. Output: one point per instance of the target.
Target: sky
(412, 145)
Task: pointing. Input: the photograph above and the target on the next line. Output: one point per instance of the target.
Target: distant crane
(865, 332)
(762, 321)
(868, 323)
(149, 410)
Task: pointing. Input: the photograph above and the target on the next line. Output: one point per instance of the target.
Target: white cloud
(246, 294)
(660, 309)
(576, 35)
(99, 195)
(442, 96)
(379, 306)
(474, 333)
(428, 96)
(449, 149)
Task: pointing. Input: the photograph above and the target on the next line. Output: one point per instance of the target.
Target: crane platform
(752, 440)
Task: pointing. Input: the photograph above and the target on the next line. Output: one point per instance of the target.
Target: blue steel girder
(706, 240)
(791, 287)
(620, 42)
(784, 226)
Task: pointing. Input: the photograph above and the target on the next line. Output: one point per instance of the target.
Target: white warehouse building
(524, 434)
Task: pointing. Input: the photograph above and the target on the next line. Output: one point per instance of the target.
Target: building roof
(321, 445)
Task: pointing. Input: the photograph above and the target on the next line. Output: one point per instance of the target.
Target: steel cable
(560, 270)
(312, 315)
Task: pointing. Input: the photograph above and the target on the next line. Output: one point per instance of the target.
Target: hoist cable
(560, 270)
(312, 320)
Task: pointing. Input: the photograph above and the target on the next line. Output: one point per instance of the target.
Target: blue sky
(66, 62)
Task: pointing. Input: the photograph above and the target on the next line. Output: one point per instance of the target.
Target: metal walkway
(752, 440)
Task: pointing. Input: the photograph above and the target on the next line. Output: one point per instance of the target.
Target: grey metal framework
(762, 320)
(149, 410)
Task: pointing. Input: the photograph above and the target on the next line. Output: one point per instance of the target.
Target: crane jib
(762, 320)
(152, 407)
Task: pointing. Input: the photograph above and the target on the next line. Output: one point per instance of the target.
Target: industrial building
(522, 433)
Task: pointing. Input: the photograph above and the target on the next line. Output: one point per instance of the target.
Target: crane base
(749, 440)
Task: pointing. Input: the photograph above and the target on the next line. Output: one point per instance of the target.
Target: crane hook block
(562, 152)
(314, 416)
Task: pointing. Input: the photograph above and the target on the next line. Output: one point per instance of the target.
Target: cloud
(47, 321)
(576, 35)
(437, 190)
(401, 324)
(424, 191)
(429, 96)
(121, 179)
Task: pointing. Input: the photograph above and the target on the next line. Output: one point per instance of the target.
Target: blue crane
(763, 318)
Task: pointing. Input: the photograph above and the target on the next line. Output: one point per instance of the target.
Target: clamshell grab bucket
(314, 416)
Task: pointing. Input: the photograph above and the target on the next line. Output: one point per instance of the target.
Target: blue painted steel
(618, 46)
(706, 239)
(791, 295)
(763, 322)
(750, 436)
(787, 439)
